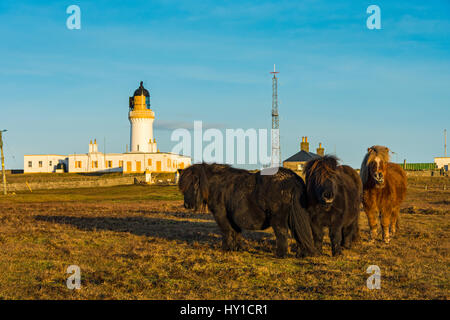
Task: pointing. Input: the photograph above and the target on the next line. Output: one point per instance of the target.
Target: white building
(143, 155)
(442, 162)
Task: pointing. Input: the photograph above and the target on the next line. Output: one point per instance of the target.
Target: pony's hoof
(303, 254)
(387, 240)
(280, 254)
(347, 245)
(227, 247)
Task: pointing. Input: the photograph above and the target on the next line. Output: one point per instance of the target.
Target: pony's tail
(300, 225)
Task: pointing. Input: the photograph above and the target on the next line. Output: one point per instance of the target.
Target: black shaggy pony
(334, 197)
(240, 199)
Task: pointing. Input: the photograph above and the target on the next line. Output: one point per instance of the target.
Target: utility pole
(3, 161)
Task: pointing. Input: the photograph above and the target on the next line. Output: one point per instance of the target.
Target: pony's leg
(394, 220)
(350, 234)
(356, 237)
(237, 240)
(317, 232)
(281, 234)
(228, 232)
(347, 236)
(281, 231)
(373, 225)
(336, 238)
(385, 224)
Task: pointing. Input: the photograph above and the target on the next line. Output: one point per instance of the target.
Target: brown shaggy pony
(384, 186)
(243, 200)
(334, 200)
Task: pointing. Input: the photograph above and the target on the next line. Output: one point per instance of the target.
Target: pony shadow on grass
(206, 233)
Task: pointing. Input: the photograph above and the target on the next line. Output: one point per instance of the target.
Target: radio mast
(276, 152)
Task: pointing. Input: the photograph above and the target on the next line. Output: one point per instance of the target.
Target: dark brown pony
(334, 199)
(242, 200)
(384, 186)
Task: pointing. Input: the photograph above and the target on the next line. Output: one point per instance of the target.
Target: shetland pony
(384, 185)
(239, 199)
(334, 197)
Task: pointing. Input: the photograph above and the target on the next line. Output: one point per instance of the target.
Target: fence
(418, 166)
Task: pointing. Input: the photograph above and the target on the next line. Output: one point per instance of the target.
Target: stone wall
(425, 173)
(116, 181)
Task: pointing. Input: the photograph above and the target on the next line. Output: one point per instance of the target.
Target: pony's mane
(187, 174)
(375, 151)
(186, 177)
(318, 170)
(220, 168)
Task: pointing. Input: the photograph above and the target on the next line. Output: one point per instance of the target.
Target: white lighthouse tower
(141, 119)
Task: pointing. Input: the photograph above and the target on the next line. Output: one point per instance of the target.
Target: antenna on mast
(276, 152)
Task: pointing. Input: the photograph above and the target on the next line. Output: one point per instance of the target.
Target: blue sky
(340, 83)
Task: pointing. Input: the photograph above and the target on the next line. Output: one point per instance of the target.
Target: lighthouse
(143, 156)
(141, 120)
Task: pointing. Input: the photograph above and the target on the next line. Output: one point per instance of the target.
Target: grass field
(138, 242)
(65, 177)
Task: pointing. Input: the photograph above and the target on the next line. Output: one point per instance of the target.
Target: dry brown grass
(139, 243)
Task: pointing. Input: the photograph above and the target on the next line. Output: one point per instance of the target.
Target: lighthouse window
(30, 164)
(40, 164)
(49, 163)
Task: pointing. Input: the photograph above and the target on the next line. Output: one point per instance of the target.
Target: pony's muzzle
(378, 177)
(327, 203)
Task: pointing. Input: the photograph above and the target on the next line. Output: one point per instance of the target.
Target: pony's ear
(369, 150)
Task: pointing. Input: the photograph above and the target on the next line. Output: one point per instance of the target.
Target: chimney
(90, 146)
(320, 151)
(304, 145)
(95, 145)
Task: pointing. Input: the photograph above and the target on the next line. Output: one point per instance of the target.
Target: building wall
(294, 165)
(154, 162)
(442, 162)
(45, 163)
(114, 162)
(95, 162)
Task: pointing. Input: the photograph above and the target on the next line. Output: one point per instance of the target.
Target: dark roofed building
(297, 161)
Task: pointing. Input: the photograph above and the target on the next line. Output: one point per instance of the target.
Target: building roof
(302, 156)
(141, 91)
